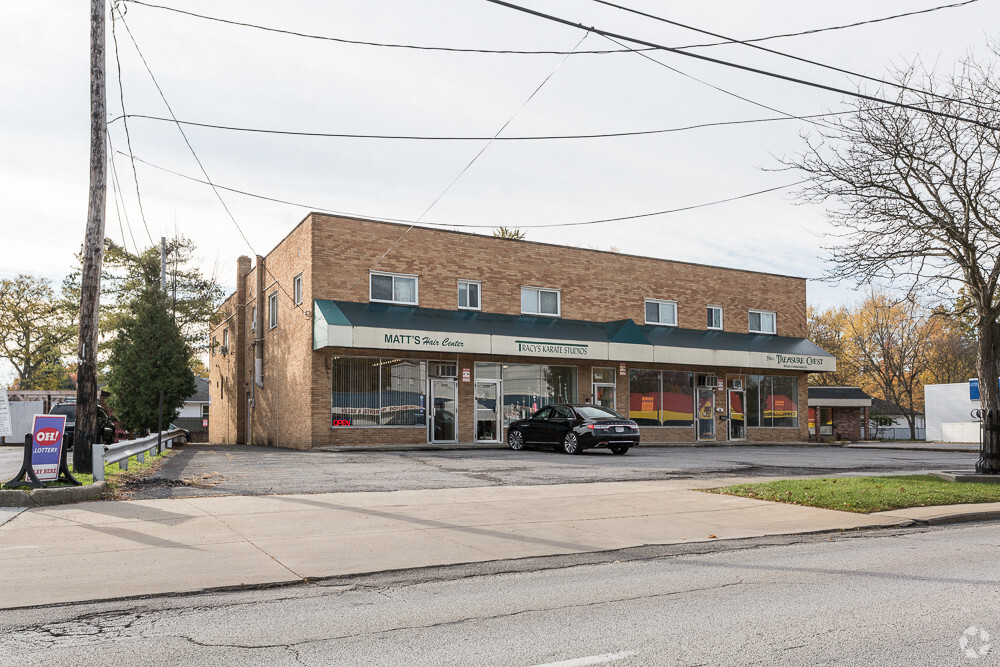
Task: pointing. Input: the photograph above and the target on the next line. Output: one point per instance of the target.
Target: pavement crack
(252, 543)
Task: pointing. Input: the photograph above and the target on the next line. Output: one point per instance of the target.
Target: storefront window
(772, 400)
(487, 371)
(530, 387)
(370, 391)
(661, 398)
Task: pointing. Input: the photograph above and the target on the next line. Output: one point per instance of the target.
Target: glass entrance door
(604, 395)
(737, 418)
(442, 425)
(706, 414)
(487, 411)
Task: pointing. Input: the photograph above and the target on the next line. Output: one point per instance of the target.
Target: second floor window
(393, 288)
(272, 310)
(661, 312)
(468, 295)
(537, 301)
(715, 317)
(297, 289)
(763, 321)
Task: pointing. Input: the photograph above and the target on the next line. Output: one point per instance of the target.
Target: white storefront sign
(476, 343)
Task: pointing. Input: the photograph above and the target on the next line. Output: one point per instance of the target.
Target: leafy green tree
(148, 354)
(35, 332)
(192, 296)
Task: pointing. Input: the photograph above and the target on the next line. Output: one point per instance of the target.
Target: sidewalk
(102, 550)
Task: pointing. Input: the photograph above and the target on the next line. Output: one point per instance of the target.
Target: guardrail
(121, 452)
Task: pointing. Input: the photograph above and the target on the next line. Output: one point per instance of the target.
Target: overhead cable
(363, 216)
(449, 49)
(745, 68)
(733, 40)
(201, 166)
(550, 137)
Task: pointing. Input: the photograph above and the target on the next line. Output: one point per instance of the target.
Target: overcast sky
(223, 74)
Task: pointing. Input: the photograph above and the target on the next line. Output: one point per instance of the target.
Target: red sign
(466, 375)
(341, 422)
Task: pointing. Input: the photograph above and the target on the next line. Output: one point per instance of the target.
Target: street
(203, 470)
(888, 598)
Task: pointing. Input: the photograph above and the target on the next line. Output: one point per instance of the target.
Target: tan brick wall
(595, 285)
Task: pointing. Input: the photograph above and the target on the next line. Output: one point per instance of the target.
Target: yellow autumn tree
(889, 341)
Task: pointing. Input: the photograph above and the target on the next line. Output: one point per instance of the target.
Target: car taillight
(598, 427)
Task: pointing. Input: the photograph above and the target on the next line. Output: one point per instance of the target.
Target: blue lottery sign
(46, 446)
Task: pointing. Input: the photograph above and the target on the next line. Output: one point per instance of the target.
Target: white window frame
(774, 316)
(465, 284)
(721, 316)
(297, 289)
(416, 288)
(272, 309)
(253, 319)
(660, 302)
(538, 301)
(225, 338)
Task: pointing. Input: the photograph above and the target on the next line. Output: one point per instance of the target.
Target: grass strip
(114, 476)
(867, 494)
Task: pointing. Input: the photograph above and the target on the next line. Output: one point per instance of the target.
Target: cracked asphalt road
(199, 470)
(898, 597)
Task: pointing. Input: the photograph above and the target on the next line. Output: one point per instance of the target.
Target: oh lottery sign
(46, 446)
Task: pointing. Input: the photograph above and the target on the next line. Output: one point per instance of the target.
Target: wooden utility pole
(85, 432)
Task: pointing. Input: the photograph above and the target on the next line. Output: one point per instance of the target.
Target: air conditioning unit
(707, 381)
(737, 384)
(224, 349)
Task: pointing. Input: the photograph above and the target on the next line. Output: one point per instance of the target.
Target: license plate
(619, 429)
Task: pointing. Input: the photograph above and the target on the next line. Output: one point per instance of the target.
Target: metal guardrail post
(97, 461)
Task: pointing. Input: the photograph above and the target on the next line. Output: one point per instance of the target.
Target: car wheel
(619, 450)
(515, 440)
(570, 443)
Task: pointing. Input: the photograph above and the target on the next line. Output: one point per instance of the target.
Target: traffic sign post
(44, 455)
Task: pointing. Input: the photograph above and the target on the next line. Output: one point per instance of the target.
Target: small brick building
(839, 413)
(355, 332)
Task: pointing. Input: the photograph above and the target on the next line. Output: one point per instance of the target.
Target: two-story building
(355, 332)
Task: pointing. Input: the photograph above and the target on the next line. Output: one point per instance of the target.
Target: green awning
(382, 326)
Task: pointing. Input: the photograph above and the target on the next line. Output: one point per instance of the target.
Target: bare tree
(914, 192)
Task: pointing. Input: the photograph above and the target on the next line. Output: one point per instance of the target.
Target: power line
(198, 160)
(128, 138)
(551, 137)
(732, 40)
(472, 161)
(116, 187)
(838, 27)
(787, 115)
(448, 49)
(323, 209)
(745, 68)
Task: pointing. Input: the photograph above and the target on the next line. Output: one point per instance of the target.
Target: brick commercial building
(359, 332)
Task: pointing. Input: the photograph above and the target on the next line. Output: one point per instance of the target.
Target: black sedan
(574, 428)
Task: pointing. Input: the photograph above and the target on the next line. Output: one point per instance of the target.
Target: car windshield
(68, 409)
(597, 412)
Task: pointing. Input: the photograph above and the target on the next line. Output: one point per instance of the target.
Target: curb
(58, 496)
(959, 517)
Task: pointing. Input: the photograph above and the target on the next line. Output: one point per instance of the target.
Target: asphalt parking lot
(200, 470)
